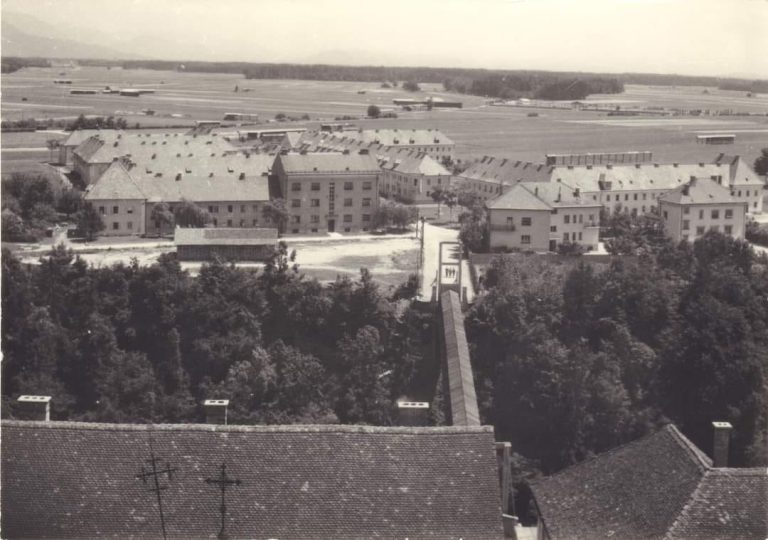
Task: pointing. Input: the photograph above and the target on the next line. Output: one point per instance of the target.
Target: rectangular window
(229, 223)
(715, 214)
(635, 196)
(525, 239)
(366, 202)
(699, 230)
(665, 214)
(348, 186)
(579, 237)
(115, 226)
(347, 202)
(295, 219)
(686, 210)
(729, 214)
(314, 203)
(728, 229)
(295, 203)
(101, 210)
(366, 217)
(242, 223)
(553, 228)
(367, 186)
(129, 225)
(347, 218)
(701, 214)
(566, 237)
(115, 210)
(230, 208)
(130, 210)
(315, 186)
(525, 222)
(626, 196)
(686, 224)
(314, 219)
(566, 219)
(296, 186)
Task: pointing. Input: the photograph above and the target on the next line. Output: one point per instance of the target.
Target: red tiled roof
(78, 480)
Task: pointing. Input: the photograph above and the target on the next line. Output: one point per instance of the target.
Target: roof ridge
(668, 427)
(688, 446)
(260, 428)
(685, 508)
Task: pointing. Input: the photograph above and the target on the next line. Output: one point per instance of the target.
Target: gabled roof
(541, 196)
(78, 480)
(506, 171)
(741, 174)
(658, 487)
(414, 163)
(116, 183)
(316, 163)
(699, 191)
(729, 503)
(634, 491)
(77, 137)
(197, 236)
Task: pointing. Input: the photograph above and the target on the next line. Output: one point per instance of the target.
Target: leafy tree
(277, 212)
(438, 195)
(14, 229)
(161, 216)
(411, 86)
(188, 214)
(70, 202)
(373, 111)
(761, 163)
(89, 222)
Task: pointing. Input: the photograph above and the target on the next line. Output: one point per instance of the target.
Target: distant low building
(205, 244)
(701, 205)
(426, 141)
(540, 216)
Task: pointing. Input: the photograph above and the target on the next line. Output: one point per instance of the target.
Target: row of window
(727, 229)
(617, 197)
(116, 225)
(214, 208)
(715, 213)
(348, 186)
(115, 210)
(346, 218)
(315, 203)
(568, 217)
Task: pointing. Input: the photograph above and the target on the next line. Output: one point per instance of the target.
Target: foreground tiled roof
(661, 486)
(75, 480)
(729, 503)
(198, 236)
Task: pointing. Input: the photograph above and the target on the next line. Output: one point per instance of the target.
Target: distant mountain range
(23, 35)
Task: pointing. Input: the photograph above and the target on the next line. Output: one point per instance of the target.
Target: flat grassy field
(478, 129)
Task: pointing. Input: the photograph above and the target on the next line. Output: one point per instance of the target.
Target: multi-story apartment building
(328, 192)
(539, 216)
(701, 205)
(412, 176)
(233, 188)
(490, 177)
(745, 184)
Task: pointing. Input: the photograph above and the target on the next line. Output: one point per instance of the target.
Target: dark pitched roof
(661, 486)
(729, 503)
(77, 480)
(634, 491)
(699, 191)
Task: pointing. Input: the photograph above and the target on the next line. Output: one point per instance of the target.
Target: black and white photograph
(404, 270)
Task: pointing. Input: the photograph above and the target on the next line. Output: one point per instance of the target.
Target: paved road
(433, 235)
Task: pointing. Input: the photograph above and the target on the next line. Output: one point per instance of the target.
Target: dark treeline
(534, 85)
(572, 359)
(134, 344)
(13, 63)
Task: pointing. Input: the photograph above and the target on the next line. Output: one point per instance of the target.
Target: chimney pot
(413, 413)
(216, 411)
(721, 444)
(37, 408)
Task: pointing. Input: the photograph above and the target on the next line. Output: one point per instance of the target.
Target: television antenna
(223, 481)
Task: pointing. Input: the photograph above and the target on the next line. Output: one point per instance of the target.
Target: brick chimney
(721, 443)
(412, 413)
(216, 411)
(36, 408)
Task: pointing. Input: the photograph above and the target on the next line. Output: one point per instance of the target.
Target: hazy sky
(708, 37)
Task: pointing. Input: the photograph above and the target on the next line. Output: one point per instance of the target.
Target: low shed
(232, 244)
